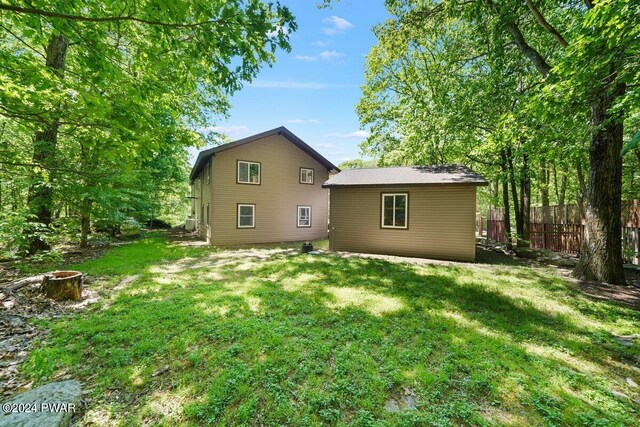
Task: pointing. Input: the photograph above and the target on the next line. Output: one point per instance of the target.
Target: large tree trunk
(601, 252)
(40, 196)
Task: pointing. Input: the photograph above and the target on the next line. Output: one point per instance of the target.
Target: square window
(248, 172)
(394, 210)
(306, 176)
(246, 216)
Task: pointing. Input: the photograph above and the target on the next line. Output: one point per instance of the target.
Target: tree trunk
(514, 191)
(40, 196)
(601, 252)
(505, 198)
(85, 228)
(525, 201)
(544, 183)
(563, 189)
(582, 189)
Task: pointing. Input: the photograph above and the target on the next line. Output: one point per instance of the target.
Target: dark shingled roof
(406, 175)
(204, 156)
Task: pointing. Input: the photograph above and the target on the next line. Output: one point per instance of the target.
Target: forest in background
(99, 102)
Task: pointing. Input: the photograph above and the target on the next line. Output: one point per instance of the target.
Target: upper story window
(306, 176)
(248, 172)
(394, 210)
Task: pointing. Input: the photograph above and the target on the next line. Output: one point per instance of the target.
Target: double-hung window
(304, 216)
(306, 176)
(394, 210)
(248, 172)
(246, 216)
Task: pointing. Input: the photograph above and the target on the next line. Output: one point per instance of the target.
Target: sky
(313, 90)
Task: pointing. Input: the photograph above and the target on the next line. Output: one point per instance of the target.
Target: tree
(111, 70)
(444, 59)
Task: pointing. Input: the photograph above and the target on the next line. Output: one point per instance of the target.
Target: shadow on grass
(302, 340)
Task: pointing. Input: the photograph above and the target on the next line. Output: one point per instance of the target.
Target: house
(419, 211)
(264, 188)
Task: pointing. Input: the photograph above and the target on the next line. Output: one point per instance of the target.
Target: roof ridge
(408, 166)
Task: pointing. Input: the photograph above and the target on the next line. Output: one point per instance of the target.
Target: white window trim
(304, 207)
(406, 210)
(249, 163)
(307, 170)
(253, 216)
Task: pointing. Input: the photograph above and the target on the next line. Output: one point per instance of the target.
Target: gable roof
(204, 156)
(406, 175)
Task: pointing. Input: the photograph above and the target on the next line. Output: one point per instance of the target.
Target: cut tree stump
(62, 285)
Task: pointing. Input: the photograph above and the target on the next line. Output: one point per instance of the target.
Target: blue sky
(313, 90)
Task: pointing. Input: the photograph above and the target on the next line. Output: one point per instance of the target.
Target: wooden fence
(561, 228)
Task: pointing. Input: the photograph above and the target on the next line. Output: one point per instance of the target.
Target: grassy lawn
(271, 337)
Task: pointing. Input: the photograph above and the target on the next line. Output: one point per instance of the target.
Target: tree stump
(62, 285)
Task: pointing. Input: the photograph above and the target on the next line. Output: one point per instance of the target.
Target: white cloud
(326, 56)
(288, 84)
(300, 121)
(336, 25)
(227, 130)
(321, 43)
(329, 55)
(354, 134)
(306, 58)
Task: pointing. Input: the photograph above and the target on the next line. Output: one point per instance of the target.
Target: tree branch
(482, 162)
(41, 12)
(545, 24)
(530, 53)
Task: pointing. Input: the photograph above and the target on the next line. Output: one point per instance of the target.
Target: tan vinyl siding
(276, 198)
(441, 222)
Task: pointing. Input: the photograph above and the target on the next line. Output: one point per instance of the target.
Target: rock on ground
(51, 405)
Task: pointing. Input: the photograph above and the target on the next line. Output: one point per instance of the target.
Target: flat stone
(392, 406)
(51, 405)
(632, 383)
(406, 401)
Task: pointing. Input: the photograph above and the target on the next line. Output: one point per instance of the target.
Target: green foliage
(358, 163)
(446, 83)
(287, 339)
(633, 144)
(138, 78)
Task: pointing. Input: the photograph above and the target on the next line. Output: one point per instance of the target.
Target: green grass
(272, 337)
